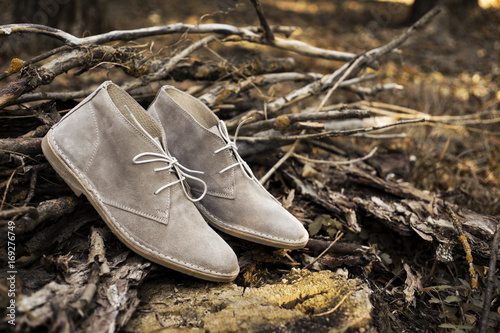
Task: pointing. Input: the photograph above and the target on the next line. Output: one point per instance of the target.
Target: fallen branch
(361, 61)
(88, 56)
(222, 92)
(165, 71)
(245, 34)
(181, 72)
(282, 140)
(26, 146)
(490, 281)
(55, 234)
(46, 210)
(401, 208)
(325, 250)
(285, 122)
(268, 34)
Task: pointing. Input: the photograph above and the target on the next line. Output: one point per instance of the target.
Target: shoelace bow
(231, 145)
(172, 165)
(239, 161)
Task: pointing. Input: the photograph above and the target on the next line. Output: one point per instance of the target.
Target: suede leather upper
(235, 201)
(98, 141)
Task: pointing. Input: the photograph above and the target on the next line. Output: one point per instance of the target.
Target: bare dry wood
(182, 71)
(27, 146)
(34, 77)
(333, 80)
(164, 71)
(490, 281)
(114, 297)
(268, 33)
(8, 213)
(285, 122)
(46, 210)
(246, 34)
(402, 208)
(282, 139)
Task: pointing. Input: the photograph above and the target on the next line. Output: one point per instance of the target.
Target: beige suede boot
(235, 201)
(111, 150)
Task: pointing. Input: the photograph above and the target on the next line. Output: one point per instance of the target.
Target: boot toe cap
(187, 246)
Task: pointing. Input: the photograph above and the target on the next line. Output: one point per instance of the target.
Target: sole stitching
(124, 234)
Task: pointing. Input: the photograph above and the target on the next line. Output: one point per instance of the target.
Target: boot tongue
(214, 129)
(157, 140)
(140, 127)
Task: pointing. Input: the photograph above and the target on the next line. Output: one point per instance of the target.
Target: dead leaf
(308, 171)
(413, 284)
(287, 202)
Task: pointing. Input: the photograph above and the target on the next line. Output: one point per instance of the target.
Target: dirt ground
(450, 68)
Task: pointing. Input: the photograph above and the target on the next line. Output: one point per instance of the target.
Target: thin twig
(325, 251)
(356, 160)
(465, 245)
(280, 162)
(488, 294)
(375, 89)
(381, 136)
(7, 188)
(348, 71)
(163, 72)
(336, 306)
(263, 22)
(469, 119)
(373, 55)
(6, 214)
(33, 181)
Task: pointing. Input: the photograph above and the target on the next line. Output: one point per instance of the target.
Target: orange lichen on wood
(465, 244)
(16, 65)
(282, 123)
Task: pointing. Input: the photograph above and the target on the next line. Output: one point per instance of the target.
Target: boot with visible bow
(235, 201)
(111, 150)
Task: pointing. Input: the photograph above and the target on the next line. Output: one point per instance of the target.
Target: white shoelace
(231, 145)
(173, 166)
(172, 163)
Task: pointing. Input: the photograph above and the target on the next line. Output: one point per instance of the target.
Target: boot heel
(61, 169)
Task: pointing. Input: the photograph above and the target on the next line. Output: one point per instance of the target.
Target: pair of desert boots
(157, 177)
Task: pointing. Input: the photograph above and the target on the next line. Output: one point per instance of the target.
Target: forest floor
(451, 68)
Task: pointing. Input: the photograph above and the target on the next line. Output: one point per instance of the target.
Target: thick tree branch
(85, 56)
